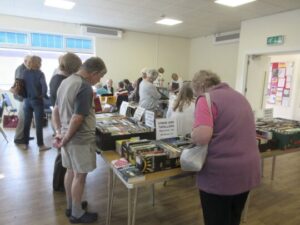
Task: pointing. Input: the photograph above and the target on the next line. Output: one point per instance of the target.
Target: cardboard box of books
(111, 127)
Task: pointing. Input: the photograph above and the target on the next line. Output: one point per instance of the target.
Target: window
(79, 44)
(46, 41)
(13, 38)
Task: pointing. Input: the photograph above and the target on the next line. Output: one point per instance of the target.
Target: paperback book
(132, 174)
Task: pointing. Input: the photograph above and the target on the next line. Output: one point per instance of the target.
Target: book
(132, 174)
(120, 163)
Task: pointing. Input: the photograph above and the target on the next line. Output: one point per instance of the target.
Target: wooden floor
(26, 196)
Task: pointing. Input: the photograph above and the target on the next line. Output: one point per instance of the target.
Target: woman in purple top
(232, 166)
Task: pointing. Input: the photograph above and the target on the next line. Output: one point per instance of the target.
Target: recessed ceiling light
(1, 176)
(62, 4)
(168, 21)
(233, 3)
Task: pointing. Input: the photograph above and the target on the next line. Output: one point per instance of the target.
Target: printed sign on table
(166, 128)
(123, 108)
(138, 113)
(150, 118)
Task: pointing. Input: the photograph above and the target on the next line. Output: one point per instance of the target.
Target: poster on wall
(280, 82)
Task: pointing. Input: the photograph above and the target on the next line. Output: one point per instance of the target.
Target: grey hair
(152, 74)
(205, 79)
(143, 72)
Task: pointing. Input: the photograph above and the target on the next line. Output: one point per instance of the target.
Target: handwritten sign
(123, 108)
(138, 113)
(166, 128)
(150, 118)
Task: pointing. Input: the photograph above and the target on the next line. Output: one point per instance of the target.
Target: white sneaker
(44, 148)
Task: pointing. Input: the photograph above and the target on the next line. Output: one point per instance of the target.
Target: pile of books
(151, 156)
(129, 172)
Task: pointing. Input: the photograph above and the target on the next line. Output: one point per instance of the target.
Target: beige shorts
(79, 158)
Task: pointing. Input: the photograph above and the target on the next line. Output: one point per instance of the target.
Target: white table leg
(134, 206)
(111, 186)
(153, 194)
(129, 207)
(262, 167)
(273, 167)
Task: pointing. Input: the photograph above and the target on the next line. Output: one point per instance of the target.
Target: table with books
(277, 137)
(132, 186)
(273, 154)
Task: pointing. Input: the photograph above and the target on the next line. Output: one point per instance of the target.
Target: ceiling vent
(228, 37)
(103, 32)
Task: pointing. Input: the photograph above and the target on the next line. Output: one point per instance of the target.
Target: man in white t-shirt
(159, 82)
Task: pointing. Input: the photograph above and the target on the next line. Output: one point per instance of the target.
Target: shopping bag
(10, 121)
(193, 158)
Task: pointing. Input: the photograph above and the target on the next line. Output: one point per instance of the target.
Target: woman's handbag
(10, 121)
(193, 158)
(18, 88)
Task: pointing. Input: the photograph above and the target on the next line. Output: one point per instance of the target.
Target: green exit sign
(275, 40)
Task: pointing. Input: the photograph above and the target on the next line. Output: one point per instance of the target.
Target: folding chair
(7, 103)
(1, 113)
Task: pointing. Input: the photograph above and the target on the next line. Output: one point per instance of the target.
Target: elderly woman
(232, 166)
(149, 95)
(36, 89)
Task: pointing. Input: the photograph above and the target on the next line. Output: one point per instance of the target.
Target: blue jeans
(36, 107)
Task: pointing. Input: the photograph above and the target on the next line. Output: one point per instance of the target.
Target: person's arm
(44, 85)
(203, 124)
(201, 135)
(56, 120)
(74, 125)
(155, 93)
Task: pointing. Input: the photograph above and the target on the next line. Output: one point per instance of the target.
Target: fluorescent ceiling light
(168, 21)
(62, 4)
(233, 3)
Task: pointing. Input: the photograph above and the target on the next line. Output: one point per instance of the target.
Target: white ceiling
(200, 17)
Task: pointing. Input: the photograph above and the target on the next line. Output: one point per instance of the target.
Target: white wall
(124, 57)
(254, 34)
(221, 59)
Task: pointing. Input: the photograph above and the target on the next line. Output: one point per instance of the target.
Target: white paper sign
(166, 128)
(138, 113)
(123, 108)
(268, 114)
(149, 118)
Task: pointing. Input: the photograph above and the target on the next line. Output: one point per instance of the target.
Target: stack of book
(129, 172)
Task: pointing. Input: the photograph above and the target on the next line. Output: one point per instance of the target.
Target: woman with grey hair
(149, 95)
(232, 166)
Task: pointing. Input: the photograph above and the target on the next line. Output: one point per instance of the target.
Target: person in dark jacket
(19, 135)
(128, 86)
(36, 89)
(69, 63)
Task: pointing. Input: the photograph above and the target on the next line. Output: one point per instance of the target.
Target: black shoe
(84, 205)
(87, 217)
(19, 141)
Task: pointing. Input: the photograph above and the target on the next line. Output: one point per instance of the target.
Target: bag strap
(207, 96)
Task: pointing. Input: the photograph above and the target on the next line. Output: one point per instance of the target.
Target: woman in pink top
(232, 166)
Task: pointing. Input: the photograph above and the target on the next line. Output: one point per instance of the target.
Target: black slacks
(222, 209)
